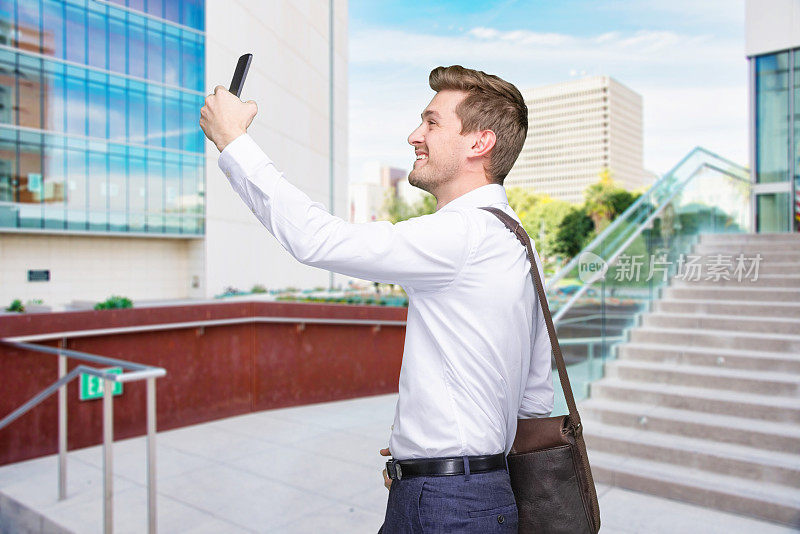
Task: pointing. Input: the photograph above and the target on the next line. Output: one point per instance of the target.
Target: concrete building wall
(92, 268)
(771, 25)
(289, 80)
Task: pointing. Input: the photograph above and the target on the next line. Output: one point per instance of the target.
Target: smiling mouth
(421, 157)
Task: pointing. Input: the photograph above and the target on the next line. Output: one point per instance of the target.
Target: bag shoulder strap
(517, 229)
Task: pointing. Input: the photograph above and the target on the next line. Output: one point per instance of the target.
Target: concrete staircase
(702, 403)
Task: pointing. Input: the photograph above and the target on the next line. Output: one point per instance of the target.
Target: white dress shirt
(474, 360)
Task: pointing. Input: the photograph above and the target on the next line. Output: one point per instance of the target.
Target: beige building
(576, 129)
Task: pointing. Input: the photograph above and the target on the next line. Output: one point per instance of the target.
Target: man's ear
(484, 142)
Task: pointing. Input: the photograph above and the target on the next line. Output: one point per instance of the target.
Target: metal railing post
(62, 425)
(151, 455)
(108, 439)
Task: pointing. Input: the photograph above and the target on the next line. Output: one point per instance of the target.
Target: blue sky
(686, 59)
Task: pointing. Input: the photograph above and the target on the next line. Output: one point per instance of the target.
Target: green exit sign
(92, 386)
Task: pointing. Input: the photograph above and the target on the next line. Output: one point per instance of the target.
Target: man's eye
(431, 122)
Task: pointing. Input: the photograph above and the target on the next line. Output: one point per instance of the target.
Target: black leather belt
(397, 469)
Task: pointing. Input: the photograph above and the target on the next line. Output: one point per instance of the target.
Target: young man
(477, 353)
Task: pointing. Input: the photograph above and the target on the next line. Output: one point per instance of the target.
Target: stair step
(729, 307)
(763, 435)
(762, 281)
(768, 253)
(722, 293)
(717, 338)
(744, 380)
(710, 357)
(749, 405)
(771, 237)
(772, 502)
(739, 322)
(715, 457)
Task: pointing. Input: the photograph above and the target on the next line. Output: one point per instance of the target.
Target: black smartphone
(241, 73)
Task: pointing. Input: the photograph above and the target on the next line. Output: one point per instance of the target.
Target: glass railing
(601, 292)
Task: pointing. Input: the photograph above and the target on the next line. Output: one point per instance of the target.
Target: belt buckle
(394, 470)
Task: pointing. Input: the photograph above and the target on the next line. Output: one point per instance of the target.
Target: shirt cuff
(242, 157)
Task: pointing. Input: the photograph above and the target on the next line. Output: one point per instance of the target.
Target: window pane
(116, 43)
(29, 180)
(54, 175)
(53, 98)
(155, 191)
(172, 58)
(29, 76)
(28, 37)
(155, 52)
(8, 183)
(190, 205)
(772, 118)
(97, 40)
(136, 190)
(7, 22)
(155, 116)
(138, 5)
(117, 115)
(97, 107)
(7, 87)
(76, 188)
(136, 111)
(773, 212)
(98, 187)
(76, 105)
(193, 14)
(172, 10)
(172, 119)
(117, 187)
(76, 34)
(53, 34)
(136, 46)
(156, 8)
(192, 57)
(172, 194)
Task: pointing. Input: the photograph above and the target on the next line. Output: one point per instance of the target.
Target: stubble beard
(429, 178)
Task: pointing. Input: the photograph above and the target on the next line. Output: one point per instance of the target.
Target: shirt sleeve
(424, 253)
(538, 398)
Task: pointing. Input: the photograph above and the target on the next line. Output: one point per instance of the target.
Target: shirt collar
(485, 195)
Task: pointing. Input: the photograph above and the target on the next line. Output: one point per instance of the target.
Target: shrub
(258, 288)
(113, 302)
(16, 306)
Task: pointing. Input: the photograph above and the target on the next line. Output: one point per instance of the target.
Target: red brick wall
(212, 372)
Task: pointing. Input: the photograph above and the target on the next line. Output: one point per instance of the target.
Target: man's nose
(416, 136)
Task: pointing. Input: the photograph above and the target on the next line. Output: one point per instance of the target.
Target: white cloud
(693, 85)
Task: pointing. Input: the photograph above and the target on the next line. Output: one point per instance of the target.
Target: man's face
(440, 148)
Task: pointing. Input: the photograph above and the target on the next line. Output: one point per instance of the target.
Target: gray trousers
(482, 503)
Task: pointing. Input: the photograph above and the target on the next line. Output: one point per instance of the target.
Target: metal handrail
(632, 208)
(136, 372)
(634, 235)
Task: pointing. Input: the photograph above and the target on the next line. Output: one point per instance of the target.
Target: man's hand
(386, 480)
(225, 117)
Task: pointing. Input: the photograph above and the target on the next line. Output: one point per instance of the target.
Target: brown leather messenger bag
(548, 465)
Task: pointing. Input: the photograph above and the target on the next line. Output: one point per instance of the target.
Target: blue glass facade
(777, 140)
(99, 110)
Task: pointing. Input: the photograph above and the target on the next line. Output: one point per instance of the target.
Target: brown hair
(491, 104)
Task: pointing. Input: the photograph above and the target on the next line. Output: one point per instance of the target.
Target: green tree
(573, 233)
(395, 208)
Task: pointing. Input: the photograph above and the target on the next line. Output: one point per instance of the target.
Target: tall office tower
(107, 184)
(576, 129)
(772, 46)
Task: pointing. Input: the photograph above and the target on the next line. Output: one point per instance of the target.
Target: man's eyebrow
(429, 112)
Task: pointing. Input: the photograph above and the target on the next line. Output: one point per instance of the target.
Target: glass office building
(99, 110)
(775, 86)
